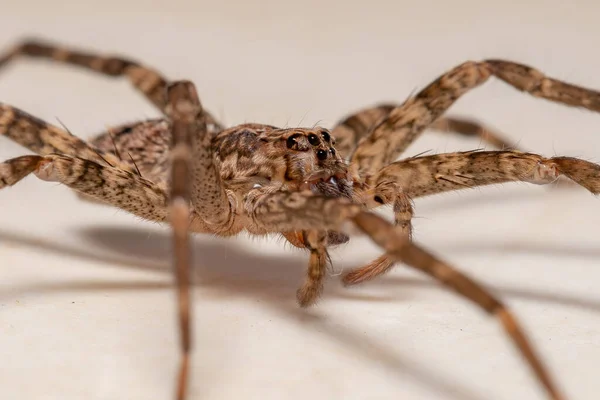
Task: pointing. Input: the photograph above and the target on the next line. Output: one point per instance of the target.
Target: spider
(309, 185)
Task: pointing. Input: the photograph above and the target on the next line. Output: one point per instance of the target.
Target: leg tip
(182, 379)
(308, 295)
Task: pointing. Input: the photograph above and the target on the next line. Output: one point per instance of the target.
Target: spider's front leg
(392, 134)
(403, 214)
(282, 211)
(428, 175)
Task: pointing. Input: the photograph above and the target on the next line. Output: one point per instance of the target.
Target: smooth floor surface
(86, 301)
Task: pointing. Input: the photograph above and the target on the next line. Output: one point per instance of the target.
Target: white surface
(86, 305)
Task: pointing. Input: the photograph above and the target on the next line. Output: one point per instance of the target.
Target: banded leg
(211, 202)
(315, 242)
(403, 214)
(349, 132)
(152, 85)
(148, 81)
(391, 135)
(44, 139)
(184, 108)
(281, 211)
(423, 176)
(119, 188)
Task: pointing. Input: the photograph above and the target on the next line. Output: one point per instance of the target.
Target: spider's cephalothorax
(254, 155)
(187, 170)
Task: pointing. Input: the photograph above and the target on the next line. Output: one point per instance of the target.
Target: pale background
(86, 305)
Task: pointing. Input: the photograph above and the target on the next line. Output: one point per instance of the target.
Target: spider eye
(321, 155)
(291, 142)
(313, 139)
(326, 136)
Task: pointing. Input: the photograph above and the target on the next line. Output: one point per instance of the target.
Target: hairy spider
(188, 170)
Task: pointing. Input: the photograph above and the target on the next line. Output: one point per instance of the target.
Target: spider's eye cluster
(297, 142)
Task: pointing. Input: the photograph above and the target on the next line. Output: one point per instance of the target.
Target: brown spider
(186, 169)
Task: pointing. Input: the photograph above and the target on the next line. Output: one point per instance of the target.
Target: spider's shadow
(274, 279)
(235, 272)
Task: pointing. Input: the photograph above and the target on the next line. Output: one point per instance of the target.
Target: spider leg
(44, 139)
(148, 81)
(207, 193)
(310, 292)
(403, 250)
(392, 134)
(427, 175)
(106, 184)
(403, 214)
(349, 131)
(284, 211)
(12, 171)
(184, 109)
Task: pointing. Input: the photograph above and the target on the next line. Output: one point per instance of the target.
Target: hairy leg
(207, 193)
(284, 211)
(149, 146)
(403, 214)
(349, 131)
(106, 184)
(391, 135)
(429, 175)
(183, 109)
(44, 139)
(148, 81)
(315, 242)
